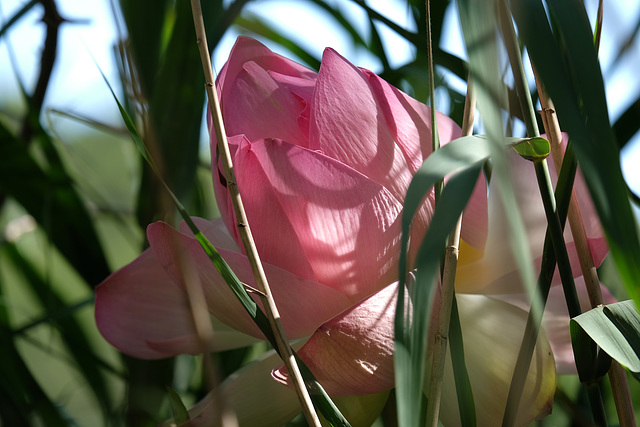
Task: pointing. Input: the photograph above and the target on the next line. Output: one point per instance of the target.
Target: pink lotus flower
(323, 162)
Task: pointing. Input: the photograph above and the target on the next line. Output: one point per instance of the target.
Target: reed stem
(271, 310)
(448, 289)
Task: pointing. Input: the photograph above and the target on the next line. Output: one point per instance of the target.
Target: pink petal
(220, 186)
(318, 218)
(273, 225)
(144, 314)
(362, 121)
(140, 303)
(349, 125)
(303, 304)
(249, 50)
(352, 354)
(258, 106)
(409, 122)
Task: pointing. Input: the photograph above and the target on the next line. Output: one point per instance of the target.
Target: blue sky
(77, 86)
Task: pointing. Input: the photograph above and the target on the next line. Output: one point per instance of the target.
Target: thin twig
(447, 290)
(204, 332)
(243, 225)
(52, 20)
(435, 139)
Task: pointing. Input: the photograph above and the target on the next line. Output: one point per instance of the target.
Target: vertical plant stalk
(554, 227)
(204, 333)
(617, 374)
(441, 338)
(435, 139)
(243, 226)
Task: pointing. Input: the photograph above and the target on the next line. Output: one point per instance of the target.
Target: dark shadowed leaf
(51, 198)
(616, 329)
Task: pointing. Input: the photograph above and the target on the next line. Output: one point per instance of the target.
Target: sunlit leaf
(616, 329)
(533, 148)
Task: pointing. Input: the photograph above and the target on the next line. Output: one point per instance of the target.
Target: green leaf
(533, 149)
(180, 413)
(50, 197)
(464, 158)
(71, 331)
(466, 404)
(627, 124)
(22, 397)
(616, 329)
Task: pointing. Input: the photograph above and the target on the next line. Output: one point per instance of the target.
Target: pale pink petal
(352, 354)
(492, 333)
(318, 218)
(245, 391)
(250, 397)
(143, 313)
(224, 338)
(493, 270)
(304, 89)
(556, 320)
(303, 304)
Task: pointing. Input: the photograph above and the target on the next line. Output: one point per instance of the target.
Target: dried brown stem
(447, 290)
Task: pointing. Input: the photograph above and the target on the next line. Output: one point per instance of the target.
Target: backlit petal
(492, 333)
(348, 125)
(319, 218)
(250, 397)
(353, 353)
(556, 320)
